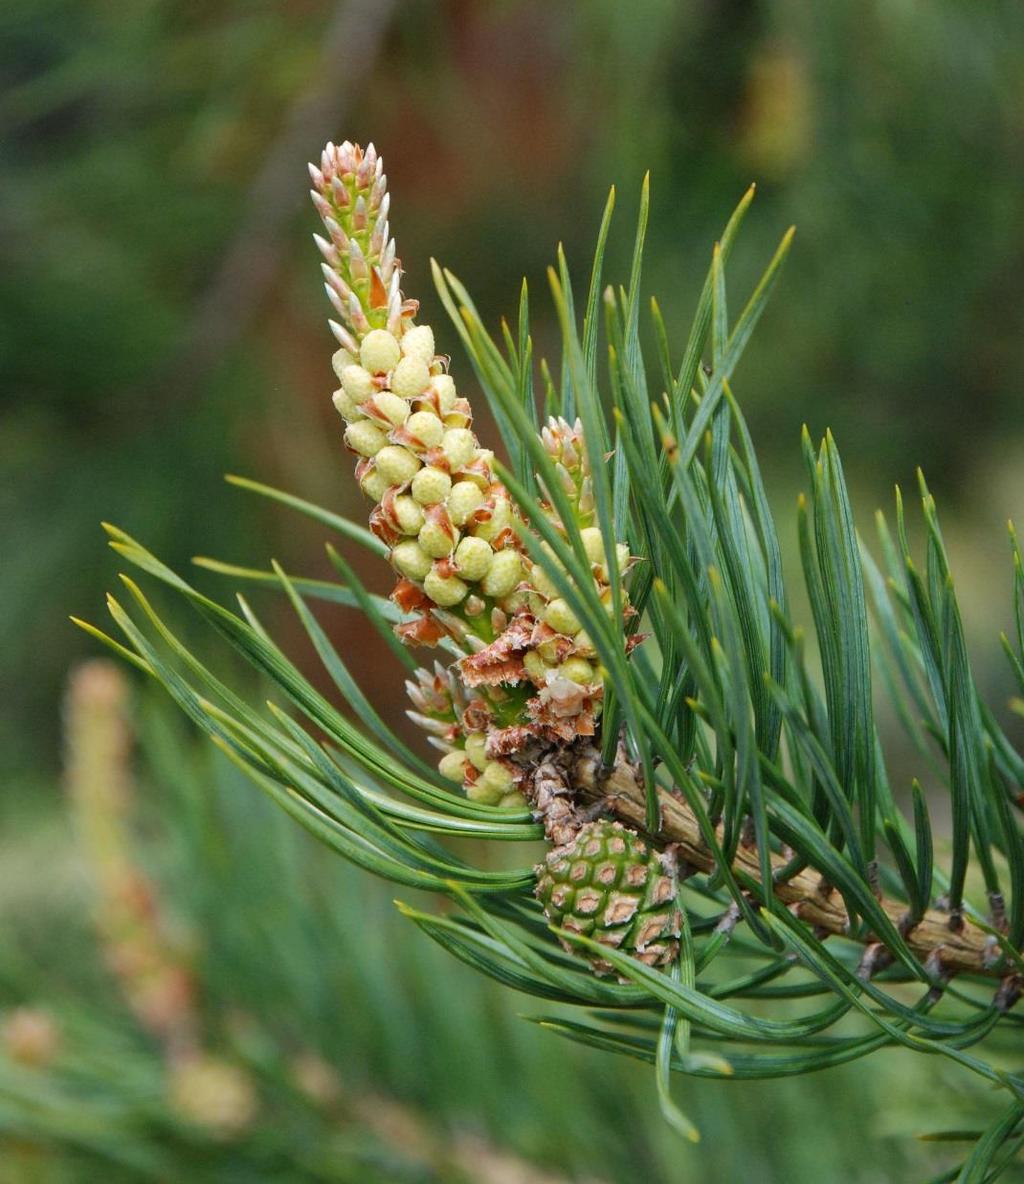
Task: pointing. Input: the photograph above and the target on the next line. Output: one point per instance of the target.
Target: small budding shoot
(529, 683)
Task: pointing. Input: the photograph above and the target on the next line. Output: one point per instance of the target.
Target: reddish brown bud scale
(382, 528)
(436, 458)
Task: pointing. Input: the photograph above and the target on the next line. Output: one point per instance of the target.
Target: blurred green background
(162, 321)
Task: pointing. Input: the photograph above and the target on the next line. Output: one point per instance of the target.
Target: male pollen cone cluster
(529, 680)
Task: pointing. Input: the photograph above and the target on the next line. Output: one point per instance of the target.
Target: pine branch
(528, 575)
(944, 944)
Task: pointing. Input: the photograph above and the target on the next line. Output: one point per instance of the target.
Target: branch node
(997, 911)
(938, 973)
(991, 952)
(955, 923)
(683, 868)
(729, 919)
(1009, 992)
(876, 958)
(907, 924)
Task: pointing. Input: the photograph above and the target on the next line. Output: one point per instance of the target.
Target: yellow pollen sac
(500, 519)
(474, 472)
(365, 438)
(497, 778)
(481, 792)
(475, 742)
(373, 484)
(473, 558)
(453, 765)
(505, 572)
(593, 543)
(394, 409)
(621, 558)
(513, 603)
(549, 650)
(550, 553)
(577, 670)
(412, 561)
(379, 351)
(539, 579)
(444, 385)
(436, 540)
(561, 618)
(418, 342)
(459, 447)
(431, 486)
(339, 360)
(408, 514)
(584, 645)
(397, 465)
(346, 406)
(536, 667)
(358, 383)
(457, 417)
(426, 427)
(464, 499)
(445, 591)
(409, 378)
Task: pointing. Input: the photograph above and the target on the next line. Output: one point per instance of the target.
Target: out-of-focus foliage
(354, 1048)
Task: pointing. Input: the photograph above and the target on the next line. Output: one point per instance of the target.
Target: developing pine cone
(609, 885)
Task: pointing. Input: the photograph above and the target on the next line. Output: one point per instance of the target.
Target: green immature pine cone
(609, 885)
